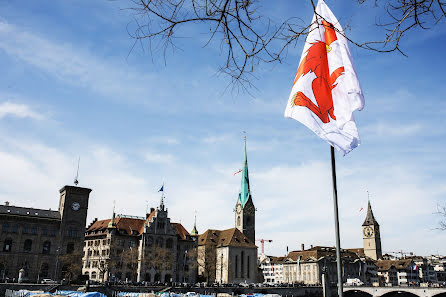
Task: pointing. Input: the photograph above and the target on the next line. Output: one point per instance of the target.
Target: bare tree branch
(248, 38)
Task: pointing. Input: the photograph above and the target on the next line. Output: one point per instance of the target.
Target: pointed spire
(244, 189)
(194, 231)
(112, 223)
(369, 219)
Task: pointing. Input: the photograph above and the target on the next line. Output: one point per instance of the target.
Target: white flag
(326, 90)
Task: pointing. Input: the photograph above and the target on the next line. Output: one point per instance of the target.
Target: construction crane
(262, 242)
(402, 253)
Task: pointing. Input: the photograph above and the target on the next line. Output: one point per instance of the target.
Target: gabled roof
(370, 219)
(229, 237)
(128, 225)
(318, 252)
(181, 231)
(385, 265)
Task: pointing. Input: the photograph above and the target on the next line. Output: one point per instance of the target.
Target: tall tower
(371, 236)
(244, 208)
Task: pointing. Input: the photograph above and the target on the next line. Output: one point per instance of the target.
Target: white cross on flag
(326, 90)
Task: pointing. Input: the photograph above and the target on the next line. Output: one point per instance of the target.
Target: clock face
(368, 231)
(75, 206)
(238, 208)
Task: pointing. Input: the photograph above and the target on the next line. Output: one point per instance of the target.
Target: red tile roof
(229, 237)
(181, 231)
(129, 225)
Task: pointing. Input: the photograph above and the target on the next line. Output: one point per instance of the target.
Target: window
(159, 242)
(44, 270)
(247, 268)
(169, 243)
(15, 229)
(70, 248)
(93, 275)
(25, 230)
(34, 230)
(44, 231)
(242, 268)
(27, 246)
(46, 247)
(8, 245)
(53, 232)
(5, 227)
(238, 220)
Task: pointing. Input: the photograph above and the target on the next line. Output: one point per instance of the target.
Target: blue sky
(71, 86)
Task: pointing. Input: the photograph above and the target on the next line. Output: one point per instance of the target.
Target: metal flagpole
(336, 217)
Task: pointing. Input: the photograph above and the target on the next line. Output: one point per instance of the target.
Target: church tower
(371, 236)
(244, 208)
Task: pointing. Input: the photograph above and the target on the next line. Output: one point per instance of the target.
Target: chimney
(6, 203)
(311, 246)
(302, 246)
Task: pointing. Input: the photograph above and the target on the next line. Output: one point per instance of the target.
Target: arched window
(159, 242)
(70, 248)
(167, 278)
(93, 275)
(169, 243)
(27, 246)
(242, 264)
(238, 220)
(147, 277)
(44, 270)
(46, 247)
(8, 245)
(247, 267)
(128, 276)
(157, 277)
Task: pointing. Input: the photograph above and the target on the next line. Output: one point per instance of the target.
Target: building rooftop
(29, 212)
(229, 237)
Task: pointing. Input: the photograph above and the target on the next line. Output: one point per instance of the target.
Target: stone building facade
(38, 242)
(307, 266)
(150, 249)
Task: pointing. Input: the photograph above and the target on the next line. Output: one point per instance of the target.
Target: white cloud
(18, 110)
(75, 65)
(153, 157)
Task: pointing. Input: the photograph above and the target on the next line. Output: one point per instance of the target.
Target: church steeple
(194, 232)
(244, 208)
(112, 223)
(244, 188)
(370, 219)
(371, 235)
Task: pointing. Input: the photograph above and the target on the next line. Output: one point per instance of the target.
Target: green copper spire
(244, 189)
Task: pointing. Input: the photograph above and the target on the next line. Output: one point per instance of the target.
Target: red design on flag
(326, 90)
(316, 61)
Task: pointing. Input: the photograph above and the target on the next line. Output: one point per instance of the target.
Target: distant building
(371, 236)
(38, 242)
(272, 269)
(307, 266)
(406, 272)
(230, 256)
(150, 249)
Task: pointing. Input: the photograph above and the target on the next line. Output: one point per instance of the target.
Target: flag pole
(336, 217)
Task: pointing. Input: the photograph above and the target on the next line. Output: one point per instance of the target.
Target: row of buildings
(37, 244)
(365, 265)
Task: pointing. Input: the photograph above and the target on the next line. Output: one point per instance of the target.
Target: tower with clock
(371, 235)
(244, 208)
(73, 206)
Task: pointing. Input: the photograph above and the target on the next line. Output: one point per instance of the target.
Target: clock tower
(371, 236)
(244, 208)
